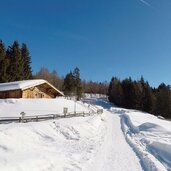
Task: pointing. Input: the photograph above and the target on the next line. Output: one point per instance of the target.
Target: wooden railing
(93, 109)
(36, 118)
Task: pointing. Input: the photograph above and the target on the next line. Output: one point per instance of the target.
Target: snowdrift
(150, 138)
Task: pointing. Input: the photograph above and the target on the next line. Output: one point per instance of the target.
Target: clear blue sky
(104, 38)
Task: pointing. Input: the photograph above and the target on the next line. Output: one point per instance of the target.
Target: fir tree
(148, 98)
(27, 72)
(115, 92)
(129, 93)
(3, 64)
(68, 86)
(72, 84)
(163, 101)
(16, 67)
(77, 83)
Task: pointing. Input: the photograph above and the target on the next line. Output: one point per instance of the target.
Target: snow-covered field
(119, 139)
(13, 107)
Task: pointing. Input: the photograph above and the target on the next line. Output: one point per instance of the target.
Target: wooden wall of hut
(11, 94)
(41, 91)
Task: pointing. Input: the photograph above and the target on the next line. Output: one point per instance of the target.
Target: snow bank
(149, 162)
(163, 151)
(150, 138)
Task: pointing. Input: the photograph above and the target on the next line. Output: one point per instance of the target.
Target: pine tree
(115, 92)
(68, 86)
(77, 83)
(72, 84)
(110, 88)
(16, 67)
(27, 72)
(128, 91)
(163, 101)
(148, 98)
(3, 64)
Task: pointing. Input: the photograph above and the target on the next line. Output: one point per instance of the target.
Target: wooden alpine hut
(29, 89)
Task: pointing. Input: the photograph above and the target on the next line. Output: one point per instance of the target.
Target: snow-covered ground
(149, 136)
(13, 107)
(119, 139)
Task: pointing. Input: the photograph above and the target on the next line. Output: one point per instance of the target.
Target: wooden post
(99, 111)
(65, 111)
(22, 116)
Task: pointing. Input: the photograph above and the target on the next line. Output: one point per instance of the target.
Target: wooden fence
(37, 118)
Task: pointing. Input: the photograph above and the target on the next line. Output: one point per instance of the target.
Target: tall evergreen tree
(163, 101)
(16, 67)
(115, 92)
(27, 72)
(148, 98)
(77, 83)
(3, 64)
(129, 93)
(72, 84)
(110, 88)
(68, 86)
(137, 95)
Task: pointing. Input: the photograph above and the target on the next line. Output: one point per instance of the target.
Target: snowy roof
(25, 84)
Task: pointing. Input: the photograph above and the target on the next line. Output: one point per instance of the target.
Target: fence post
(99, 111)
(65, 111)
(22, 116)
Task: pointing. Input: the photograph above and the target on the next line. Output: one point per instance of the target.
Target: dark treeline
(140, 95)
(14, 62)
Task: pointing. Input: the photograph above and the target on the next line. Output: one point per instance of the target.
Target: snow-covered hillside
(119, 139)
(13, 107)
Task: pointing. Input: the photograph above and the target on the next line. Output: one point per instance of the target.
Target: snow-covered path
(115, 153)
